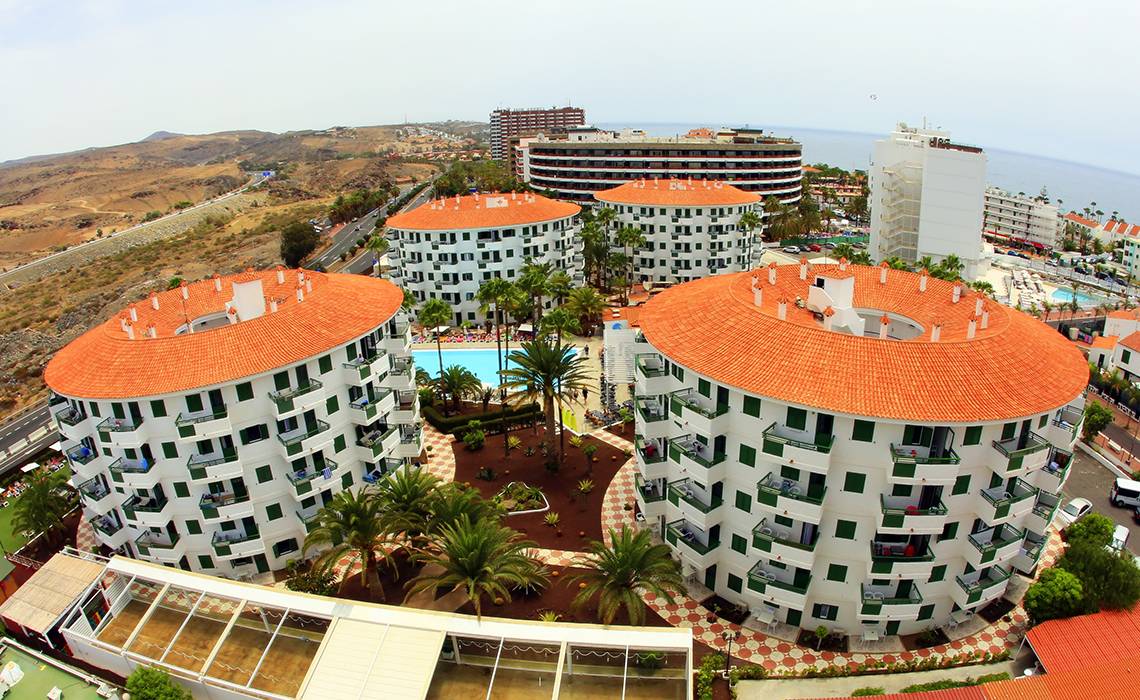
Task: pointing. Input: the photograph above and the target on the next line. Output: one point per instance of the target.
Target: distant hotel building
(690, 227)
(833, 489)
(1022, 219)
(446, 248)
(588, 161)
(927, 198)
(506, 123)
(207, 425)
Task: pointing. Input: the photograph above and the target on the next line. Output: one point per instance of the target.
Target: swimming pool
(1064, 296)
(484, 363)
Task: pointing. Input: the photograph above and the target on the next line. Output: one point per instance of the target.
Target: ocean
(1076, 184)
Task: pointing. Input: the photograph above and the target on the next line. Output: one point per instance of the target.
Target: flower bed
(519, 499)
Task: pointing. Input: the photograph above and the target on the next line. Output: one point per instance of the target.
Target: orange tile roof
(1104, 341)
(1125, 314)
(1071, 216)
(1078, 642)
(478, 211)
(677, 193)
(973, 692)
(104, 363)
(632, 314)
(713, 327)
(1131, 341)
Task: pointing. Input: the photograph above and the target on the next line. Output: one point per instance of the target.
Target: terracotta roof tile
(677, 193)
(1125, 314)
(1071, 216)
(483, 211)
(713, 327)
(1104, 341)
(1080, 642)
(1131, 341)
(104, 363)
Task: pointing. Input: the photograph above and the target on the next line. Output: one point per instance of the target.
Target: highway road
(362, 265)
(18, 428)
(353, 231)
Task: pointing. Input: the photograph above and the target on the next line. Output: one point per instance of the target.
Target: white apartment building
(794, 468)
(927, 199)
(207, 425)
(446, 248)
(690, 227)
(1022, 219)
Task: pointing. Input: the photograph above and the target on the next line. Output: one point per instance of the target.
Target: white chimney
(217, 282)
(130, 330)
(884, 324)
(280, 274)
(978, 306)
(272, 306)
(957, 292)
(883, 273)
(152, 331)
(308, 286)
(185, 291)
(134, 312)
(232, 315)
(154, 300)
(248, 299)
(828, 314)
(757, 295)
(936, 333)
(922, 276)
(972, 329)
(782, 310)
(772, 273)
(803, 268)
(985, 319)
(123, 323)
(300, 293)
(843, 264)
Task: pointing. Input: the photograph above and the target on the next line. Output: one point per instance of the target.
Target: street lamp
(729, 636)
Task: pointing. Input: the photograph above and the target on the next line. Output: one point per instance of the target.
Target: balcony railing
(1003, 499)
(992, 539)
(284, 397)
(765, 534)
(694, 450)
(149, 540)
(185, 419)
(895, 512)
(649, 365)
(363, 365)
(651, 411)
(70, 416)
(302, 480)
(917, 454)
(1016, 451)
(687, 491)
(649, 490)
(290, 440)
(886, 595)
(975, 584)
(885, 554)
(211, 502)
(94, 489)
(774, 486)
(778, 434)
(137, 504)
(760, 576)
(689, 399)
(693, 537)
(650, 451)
(106, 524)
(80, 454)
(198, 462)
(119, 425)
(122, 465)
(222, 541)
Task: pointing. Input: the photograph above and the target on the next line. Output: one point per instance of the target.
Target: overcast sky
(1043, 77)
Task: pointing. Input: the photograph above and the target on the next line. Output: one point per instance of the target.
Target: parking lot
(1088, 479)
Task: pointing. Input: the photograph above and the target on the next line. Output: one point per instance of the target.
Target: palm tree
(951, 267)
(435, 313)
(559, 322)
(459, 382)
(1047, 306)
(630, 238)
(350, 524)
(748, 222)
(559, 285)
(378, 245)
(534, 282)
(925, 263)
(604, 218)
(409, 301)
(617, 574)
(405, 500)
(586, 304)
(481, 558)
(545, 370)
(843, 250)
(451, 501)
(896, 263)
(783, 221)
(593, 250)
(42, 505)
(492, 295)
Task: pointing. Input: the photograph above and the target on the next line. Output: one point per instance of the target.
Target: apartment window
(961, 485)
(973, 435)
(1044, 420)
(324, 364)
(332, 405)
(739, 544)
(902, 490)
(181, 489)
(1008, 431)
(735, 583)
(704, 387)
(194, 403)
(1126, 356)
(949, 531)
(845, 529)
(346, 480)
(854, 482)
(783, 521)
(193, 527)
(837, 572)
(244, 391)
(937, 573)
(254, 433)
(797, 418)
(158, 408)
(752, 406)
(338, 444)
(748, 455)
(864, 431)
(169, 450)
(273, 511)
(743, 502)
(264, 474)
(925, 612)
(94, 408)
(823, 611)
(285, 547)
(790, 473)
(205, 562)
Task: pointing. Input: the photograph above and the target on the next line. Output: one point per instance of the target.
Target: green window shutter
(837, 572)
(739, 544)
(961, 485)
(735, 583)
(743, 502)
(752, 406)
(949, 531)
(1043, 421)
(797, 418)
(264, 474)
(1008, 431)
(117, 411)
(1125, 356)
(324, 364)
(854, 482)
(748, 455)
(170, 450)
(205, 562)
(704, 388)
(845, 529)
(790, 473)
(331, 405)
(273, 511)
(973, 435)
(181, 489)
(244, 391)
(784, 521)
(937, 573)
(338, 443)
(925, 612)
(158, 408)
(94, 408)
(996, 480)
(193, 527)
(281, 381)
(903, 490)
(864, 431)
(346, 480)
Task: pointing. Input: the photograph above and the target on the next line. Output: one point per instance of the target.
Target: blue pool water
(1066, 295)
(483, 363)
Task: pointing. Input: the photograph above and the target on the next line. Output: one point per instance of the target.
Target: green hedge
(456, 425)
(948, 683)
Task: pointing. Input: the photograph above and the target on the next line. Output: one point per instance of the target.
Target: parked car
(858, 245)
(1074, 510)
(1125, 493)
(792, 249)
(829, 245)
(814, 247)
(1136, 516)
(1119, 539)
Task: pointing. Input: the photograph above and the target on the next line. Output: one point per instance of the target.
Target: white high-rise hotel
(854, 447)
(927, 197)
(207, 425)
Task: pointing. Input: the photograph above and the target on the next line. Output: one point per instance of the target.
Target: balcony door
(216, 401)
(824, 427)
(807, 533)
(302, 375)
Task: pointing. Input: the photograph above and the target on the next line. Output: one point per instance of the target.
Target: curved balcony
(203, 424)
(1065, 427)
(137, 473)
(798, 448)
(83, 460)
(1041, 517)
(1022, 454)
(886, 603)
(121, 432)
(780, 544)
(147, 511)
(295, 398)
(994, 545)
(405, 407)
(236, 544)
(97, 498)
(110, 531)
(975, 589)
(221, 464)
(907, 558)
(915, 464)
(790, 499)
(696, 503)
(1002, 504)
(304, 439)
(650, 376)
(650, 419)
(225, 506)
(1052, 476)
(411, 443)
(899, 515)
(691, 542)
(1030, 553)
(363, 369)
(305, 481)
(379, 443)
(778, 586)
(694, 455)
(402, 376)
(650, 496)
(168, 547)
(701, 413)
(365, 410)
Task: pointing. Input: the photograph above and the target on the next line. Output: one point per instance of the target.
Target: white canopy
(526, 328)
(30, 467)
(440, 329)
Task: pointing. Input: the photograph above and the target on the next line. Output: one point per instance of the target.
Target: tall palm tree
(586, 304)
(350, 524)
(492, 295)
(451, 501)
(559, 285)
(619, 572)
(545, 370)
(1047, 307)
(534, 282)
(405, 500)
(605, 218)
(593, 251)
(925, 263)
(951, 267)
(559, 322)
(458, 382)
(378, 245)
(435, 313)
(409, 301)
(42, 505)
(896, 263)
(748, 222)
(843, 250)
(481, 558)
(630, 238)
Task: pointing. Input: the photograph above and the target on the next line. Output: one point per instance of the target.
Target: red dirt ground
(578, 513)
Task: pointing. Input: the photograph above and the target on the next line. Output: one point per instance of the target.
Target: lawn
(12, 541)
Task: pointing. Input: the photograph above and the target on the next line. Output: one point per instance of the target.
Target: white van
(1125, 493)
(1119, 539)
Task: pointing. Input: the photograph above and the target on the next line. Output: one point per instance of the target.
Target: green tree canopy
(483, 175)
(1097, 417)
(1109, 579)
(1094, 528)
(298, 240)
(1056, 593)
(146, 683)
